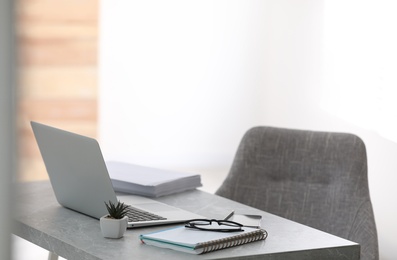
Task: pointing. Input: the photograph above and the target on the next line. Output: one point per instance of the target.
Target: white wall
(181, 81)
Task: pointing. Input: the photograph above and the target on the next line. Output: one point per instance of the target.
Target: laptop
(81, 181)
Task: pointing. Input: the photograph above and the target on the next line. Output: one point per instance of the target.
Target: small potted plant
(115, 223)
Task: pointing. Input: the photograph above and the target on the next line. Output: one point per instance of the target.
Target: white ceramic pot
(113, 228)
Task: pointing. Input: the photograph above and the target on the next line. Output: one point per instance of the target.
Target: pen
(230, 215)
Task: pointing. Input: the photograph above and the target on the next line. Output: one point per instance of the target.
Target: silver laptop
(81, 182)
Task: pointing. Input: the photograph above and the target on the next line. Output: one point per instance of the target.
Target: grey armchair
(315, 178)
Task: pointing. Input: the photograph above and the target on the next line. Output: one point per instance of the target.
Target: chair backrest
(315, 178)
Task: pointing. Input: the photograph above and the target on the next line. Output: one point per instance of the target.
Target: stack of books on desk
(149, 182)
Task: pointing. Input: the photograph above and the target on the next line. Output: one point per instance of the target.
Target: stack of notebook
(149, 182)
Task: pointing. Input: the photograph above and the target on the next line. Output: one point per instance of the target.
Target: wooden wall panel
(58, 83)
(57, 66)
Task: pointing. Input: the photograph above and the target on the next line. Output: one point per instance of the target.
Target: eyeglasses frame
(237, 227)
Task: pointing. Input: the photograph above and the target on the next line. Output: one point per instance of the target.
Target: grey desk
(42, 221)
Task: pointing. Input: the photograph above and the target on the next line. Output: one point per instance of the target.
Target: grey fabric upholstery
(315, 178)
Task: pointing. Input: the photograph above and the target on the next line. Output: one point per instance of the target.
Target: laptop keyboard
(138, 215)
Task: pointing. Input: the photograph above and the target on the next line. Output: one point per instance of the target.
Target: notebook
(198, 241)
(81, 182)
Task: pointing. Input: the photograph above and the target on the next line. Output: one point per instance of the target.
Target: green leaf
(116, 211)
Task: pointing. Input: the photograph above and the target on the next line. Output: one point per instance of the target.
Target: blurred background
(58, 61)
(176, 84)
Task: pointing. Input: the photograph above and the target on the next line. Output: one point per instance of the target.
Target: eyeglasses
(207, 225)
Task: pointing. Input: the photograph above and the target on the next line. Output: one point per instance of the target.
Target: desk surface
(42, 221)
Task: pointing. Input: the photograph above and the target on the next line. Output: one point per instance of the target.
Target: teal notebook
(199, 242)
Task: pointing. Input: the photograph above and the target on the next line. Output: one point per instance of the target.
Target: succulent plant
(116, 211)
